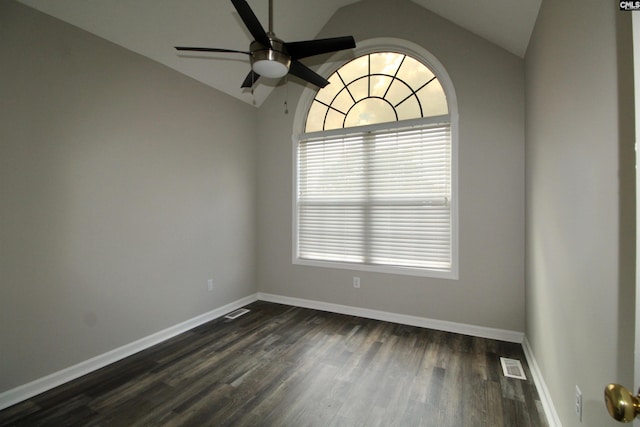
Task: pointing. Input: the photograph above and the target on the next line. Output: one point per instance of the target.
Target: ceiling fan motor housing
(270, 63)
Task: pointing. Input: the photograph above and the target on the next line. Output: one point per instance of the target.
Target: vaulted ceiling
(152, 27)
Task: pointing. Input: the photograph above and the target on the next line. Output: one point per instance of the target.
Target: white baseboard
(423, 322)
(543, 391)
(26, 391)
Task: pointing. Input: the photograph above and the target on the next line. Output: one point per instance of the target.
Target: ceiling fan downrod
(271, 33)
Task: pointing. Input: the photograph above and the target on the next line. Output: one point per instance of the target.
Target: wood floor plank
(287, 366)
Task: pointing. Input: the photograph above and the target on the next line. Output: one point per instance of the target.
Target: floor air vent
(512, 368)
(237, 313)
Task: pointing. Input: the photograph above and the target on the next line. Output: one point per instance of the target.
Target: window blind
(378, 198)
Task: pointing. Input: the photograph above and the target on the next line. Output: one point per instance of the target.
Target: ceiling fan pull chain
(286, 96)
(252, 93)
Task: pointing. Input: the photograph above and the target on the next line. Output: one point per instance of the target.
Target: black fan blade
(305, 73)
(307, 48)
(251, 22)
(250, 80)
(210, 49)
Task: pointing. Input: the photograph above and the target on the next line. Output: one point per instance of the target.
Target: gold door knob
(621, 404)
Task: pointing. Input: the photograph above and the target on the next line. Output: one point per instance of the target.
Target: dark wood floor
(285, 366)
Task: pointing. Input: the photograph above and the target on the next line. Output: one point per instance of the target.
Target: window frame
(337, 61)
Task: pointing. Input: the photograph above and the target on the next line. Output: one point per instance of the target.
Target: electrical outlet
(356, 282)
(579, 403)
(210, 284)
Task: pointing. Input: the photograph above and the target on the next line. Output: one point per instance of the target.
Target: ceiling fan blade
(250, 80)
(210, 49)
(305, 73)
(307, 48)
(251, 22)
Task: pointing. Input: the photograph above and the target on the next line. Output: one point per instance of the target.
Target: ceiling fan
(273, 58)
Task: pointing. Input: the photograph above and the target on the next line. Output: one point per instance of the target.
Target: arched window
(377, 88)
(374, 181)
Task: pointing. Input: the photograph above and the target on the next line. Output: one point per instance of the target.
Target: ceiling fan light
(270, 63)
(270, 68)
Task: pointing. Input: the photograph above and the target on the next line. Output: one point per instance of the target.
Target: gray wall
(489, 84)
(580, 203)
(124, 186)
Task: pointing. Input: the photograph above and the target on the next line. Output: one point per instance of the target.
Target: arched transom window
(377, 88)
(374, 178)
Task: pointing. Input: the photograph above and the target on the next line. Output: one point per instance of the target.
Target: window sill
(387, 269)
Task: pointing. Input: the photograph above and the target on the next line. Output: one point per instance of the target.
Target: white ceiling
(152, 27)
